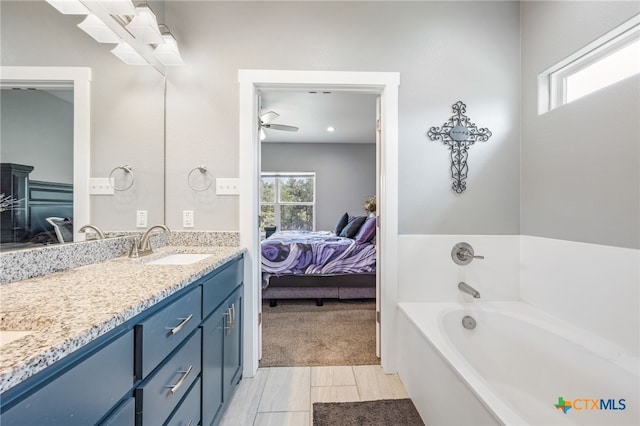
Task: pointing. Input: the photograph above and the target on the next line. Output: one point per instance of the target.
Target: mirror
(124, 114)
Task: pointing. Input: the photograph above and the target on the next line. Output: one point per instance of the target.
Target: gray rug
(384, 412)
(297, 333)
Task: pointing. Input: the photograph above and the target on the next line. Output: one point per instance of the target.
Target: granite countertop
(68, 309)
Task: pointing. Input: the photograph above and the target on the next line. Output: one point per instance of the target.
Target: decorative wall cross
(459, 133)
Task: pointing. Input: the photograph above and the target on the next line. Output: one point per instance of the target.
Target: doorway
(386, 86)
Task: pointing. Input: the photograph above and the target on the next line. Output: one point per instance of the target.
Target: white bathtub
(512, 368)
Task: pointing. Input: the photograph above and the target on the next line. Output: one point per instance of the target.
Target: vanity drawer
(158, 396)
(188, 414)
(219, 286)
(124, 415)
(83, 394)
(161, 333)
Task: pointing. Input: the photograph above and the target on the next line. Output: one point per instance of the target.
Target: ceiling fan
(265, 123)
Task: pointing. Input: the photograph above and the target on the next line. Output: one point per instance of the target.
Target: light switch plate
(100, 186)
(227, 186)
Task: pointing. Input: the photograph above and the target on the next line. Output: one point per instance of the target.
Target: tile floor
(283, 396)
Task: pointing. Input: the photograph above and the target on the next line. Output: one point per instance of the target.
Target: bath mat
(383, 412)
(297, 333)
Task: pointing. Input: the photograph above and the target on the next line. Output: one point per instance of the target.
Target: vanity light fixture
(167, 52)
(331, 129)
(144, 26)
(97, 29)
(69, 7)
(128, 55)
(119, 7)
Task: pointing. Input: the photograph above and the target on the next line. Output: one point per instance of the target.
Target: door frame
(384, 84)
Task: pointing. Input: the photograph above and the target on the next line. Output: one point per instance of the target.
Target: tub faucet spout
(466, 288)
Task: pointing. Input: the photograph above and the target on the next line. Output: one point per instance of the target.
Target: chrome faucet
(144, 247)
(94, 228)
(463, 254)
(466, 288)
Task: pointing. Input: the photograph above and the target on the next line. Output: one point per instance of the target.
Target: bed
(321, 264)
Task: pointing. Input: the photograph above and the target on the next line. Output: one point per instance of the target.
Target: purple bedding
(316, 253)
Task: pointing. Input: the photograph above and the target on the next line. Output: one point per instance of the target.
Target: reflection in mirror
(127, 111)
(44, 128)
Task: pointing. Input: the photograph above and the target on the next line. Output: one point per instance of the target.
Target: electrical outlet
(141, 219)
(227, 186)
(100, 186)
(187, 218)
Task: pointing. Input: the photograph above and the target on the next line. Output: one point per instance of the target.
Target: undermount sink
(179, 259)
(8, 336)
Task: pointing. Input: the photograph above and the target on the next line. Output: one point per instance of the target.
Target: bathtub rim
(430, 327)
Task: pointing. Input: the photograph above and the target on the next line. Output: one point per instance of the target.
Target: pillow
(367, 231)
(353, 227)
(342, 222)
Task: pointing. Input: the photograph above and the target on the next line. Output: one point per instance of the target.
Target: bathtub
(512, 368)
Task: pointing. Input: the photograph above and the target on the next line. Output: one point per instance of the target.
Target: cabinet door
(213, 331)
(233, 344)
(82, 395)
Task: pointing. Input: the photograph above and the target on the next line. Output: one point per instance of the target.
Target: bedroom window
(609, 59)
(288, 200)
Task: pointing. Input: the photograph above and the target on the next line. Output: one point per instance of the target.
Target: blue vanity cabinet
(176, 363)
(79, 390)
(221, 340)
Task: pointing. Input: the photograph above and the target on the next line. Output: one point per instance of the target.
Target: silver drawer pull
(229, 321)
(175, 387)
(178, 327)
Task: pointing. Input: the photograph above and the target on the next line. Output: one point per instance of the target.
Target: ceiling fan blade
(280, 127)
(268, 117)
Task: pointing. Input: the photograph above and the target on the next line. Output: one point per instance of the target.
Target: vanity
(126, 341)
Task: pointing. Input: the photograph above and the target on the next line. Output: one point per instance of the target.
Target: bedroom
(336, 169)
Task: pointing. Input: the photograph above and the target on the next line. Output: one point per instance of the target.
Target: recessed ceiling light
(331, 129)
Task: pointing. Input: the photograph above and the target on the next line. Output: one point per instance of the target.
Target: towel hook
(127, 170)
(204, 171)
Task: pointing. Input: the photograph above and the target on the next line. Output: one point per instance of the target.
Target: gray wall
(345, 174)
(444, 51)
(127, 105)
(36, 129)
(580, 162)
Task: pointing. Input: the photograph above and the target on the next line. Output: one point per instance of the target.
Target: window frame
(277, 203)
(552, 83)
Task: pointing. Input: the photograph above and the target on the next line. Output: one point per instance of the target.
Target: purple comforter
(316, 253)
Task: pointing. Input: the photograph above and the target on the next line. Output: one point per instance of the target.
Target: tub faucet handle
(463, 254)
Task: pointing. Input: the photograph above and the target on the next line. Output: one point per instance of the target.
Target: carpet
(297, 333)
(384, 412)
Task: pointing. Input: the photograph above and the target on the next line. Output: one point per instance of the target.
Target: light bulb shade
(144, 26)
(128, 55)
(119, 7)
(69, 7)
(97, 29)
(167, 52)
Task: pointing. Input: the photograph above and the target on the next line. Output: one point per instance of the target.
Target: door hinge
(378, 317)
(259, 318)
(378, 125)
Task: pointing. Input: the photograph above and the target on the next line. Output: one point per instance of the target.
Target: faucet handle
(462, 254)
(133, 252)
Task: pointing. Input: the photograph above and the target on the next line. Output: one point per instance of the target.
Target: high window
(612, 58)
(288, 200)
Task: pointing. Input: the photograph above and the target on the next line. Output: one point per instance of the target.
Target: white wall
(427, 273)
(444, 52)
(580, 162)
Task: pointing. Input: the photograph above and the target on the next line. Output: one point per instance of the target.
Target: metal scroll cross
(459, 133)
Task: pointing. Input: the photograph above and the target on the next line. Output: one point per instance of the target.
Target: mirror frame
(80, 79)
